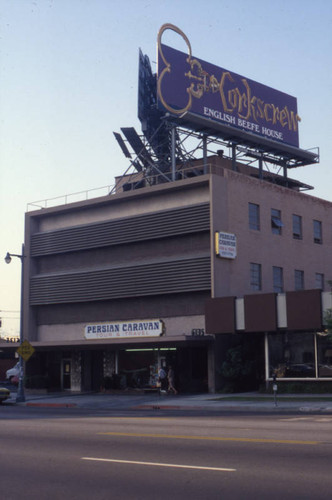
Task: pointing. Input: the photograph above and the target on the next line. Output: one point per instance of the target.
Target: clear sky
(68, 79)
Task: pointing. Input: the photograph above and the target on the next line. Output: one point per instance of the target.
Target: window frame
(278, 281)
(276, 221)
(318, 231)
(297, 227)
(255, 276)
(254, 216)
(321, 281)
(298, 279)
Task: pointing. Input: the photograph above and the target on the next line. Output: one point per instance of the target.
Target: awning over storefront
(266, 312)
(179, 340)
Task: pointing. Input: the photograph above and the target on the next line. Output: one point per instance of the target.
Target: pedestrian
(170, 377)
(162, 379)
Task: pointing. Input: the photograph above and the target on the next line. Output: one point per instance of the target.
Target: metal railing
(70, 198)
(121, 185)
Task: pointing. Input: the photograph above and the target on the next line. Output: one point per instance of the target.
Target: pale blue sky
(68, 79)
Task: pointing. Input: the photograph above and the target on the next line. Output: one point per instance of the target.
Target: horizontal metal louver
(173, 222)
(185, 275)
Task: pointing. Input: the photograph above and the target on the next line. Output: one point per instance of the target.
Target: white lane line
(156, 464)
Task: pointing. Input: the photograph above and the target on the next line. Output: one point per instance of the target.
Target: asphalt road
(79, 454)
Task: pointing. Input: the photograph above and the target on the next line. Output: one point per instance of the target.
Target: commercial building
(173, 274)
(211, 263)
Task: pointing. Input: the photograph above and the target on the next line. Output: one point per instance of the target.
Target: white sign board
(226, 245)
(124, 329)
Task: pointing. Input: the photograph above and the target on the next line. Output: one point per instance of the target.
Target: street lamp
(20, 397)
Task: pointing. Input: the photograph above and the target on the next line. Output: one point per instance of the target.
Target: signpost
(25, 350)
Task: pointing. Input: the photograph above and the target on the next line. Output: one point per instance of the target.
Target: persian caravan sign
(226, 245)
(188, 84)
(148, 328)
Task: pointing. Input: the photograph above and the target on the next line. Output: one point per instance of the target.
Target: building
(119, 285)
(210, 265)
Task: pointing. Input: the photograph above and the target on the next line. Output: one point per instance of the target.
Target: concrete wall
(231, 194)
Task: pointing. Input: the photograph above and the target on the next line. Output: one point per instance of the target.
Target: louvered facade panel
(184, 275)
(184, 220)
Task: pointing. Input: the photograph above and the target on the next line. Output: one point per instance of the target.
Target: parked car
(4, 394)
(13, 373)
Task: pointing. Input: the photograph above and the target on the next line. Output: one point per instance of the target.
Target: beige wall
(144, 200)
(230, 197)
(75, 331)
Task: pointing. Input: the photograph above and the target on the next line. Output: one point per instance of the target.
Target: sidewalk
(318, 403)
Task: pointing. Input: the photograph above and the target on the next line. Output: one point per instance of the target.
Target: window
(299, 279)
(300, 355)
(276, 223)
(318, 232)
(324, 355)
(278, 279)
(255, 276)
(292, 355)
(319, 281)
(254, 222)
(297, 227)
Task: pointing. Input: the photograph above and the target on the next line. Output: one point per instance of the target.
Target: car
(4, 394)
(13, 373)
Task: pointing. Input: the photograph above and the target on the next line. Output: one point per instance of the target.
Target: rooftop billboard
(188, 84)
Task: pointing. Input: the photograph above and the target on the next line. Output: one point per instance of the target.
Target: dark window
(319, 281)
(318, 231)
(276, 223)
(299, 279)
(254, 222)
(324, 352)
(292, 355)
(297, 227)
(278, 279)
(255, 276)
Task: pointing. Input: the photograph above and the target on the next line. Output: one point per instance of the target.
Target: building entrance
(66, 374)
(140, 367)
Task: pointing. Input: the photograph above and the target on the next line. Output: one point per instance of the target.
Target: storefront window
(292, 355)
(324, 356)
(138, 367)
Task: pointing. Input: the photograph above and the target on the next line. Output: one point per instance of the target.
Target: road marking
(139, 418)
(307, 419)
(209, 438)
(294, 419)
(157, 464)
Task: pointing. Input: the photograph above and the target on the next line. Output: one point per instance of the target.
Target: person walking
(170, 377)
(162, 379)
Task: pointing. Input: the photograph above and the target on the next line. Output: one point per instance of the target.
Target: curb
(52, 405)
(236, 408)
(167, 407)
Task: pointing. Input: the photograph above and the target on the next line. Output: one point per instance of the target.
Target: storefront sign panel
(124, 329)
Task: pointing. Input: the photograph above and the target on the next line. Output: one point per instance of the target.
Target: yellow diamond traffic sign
(25, 350)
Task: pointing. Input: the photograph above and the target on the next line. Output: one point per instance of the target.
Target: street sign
(25, 350)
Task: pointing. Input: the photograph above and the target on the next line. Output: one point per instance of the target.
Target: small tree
(237, 369)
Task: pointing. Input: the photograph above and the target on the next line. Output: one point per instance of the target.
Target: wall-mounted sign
(124, 329)
(188, 84)
(225, 245)
(13, 340)
(198, 332)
